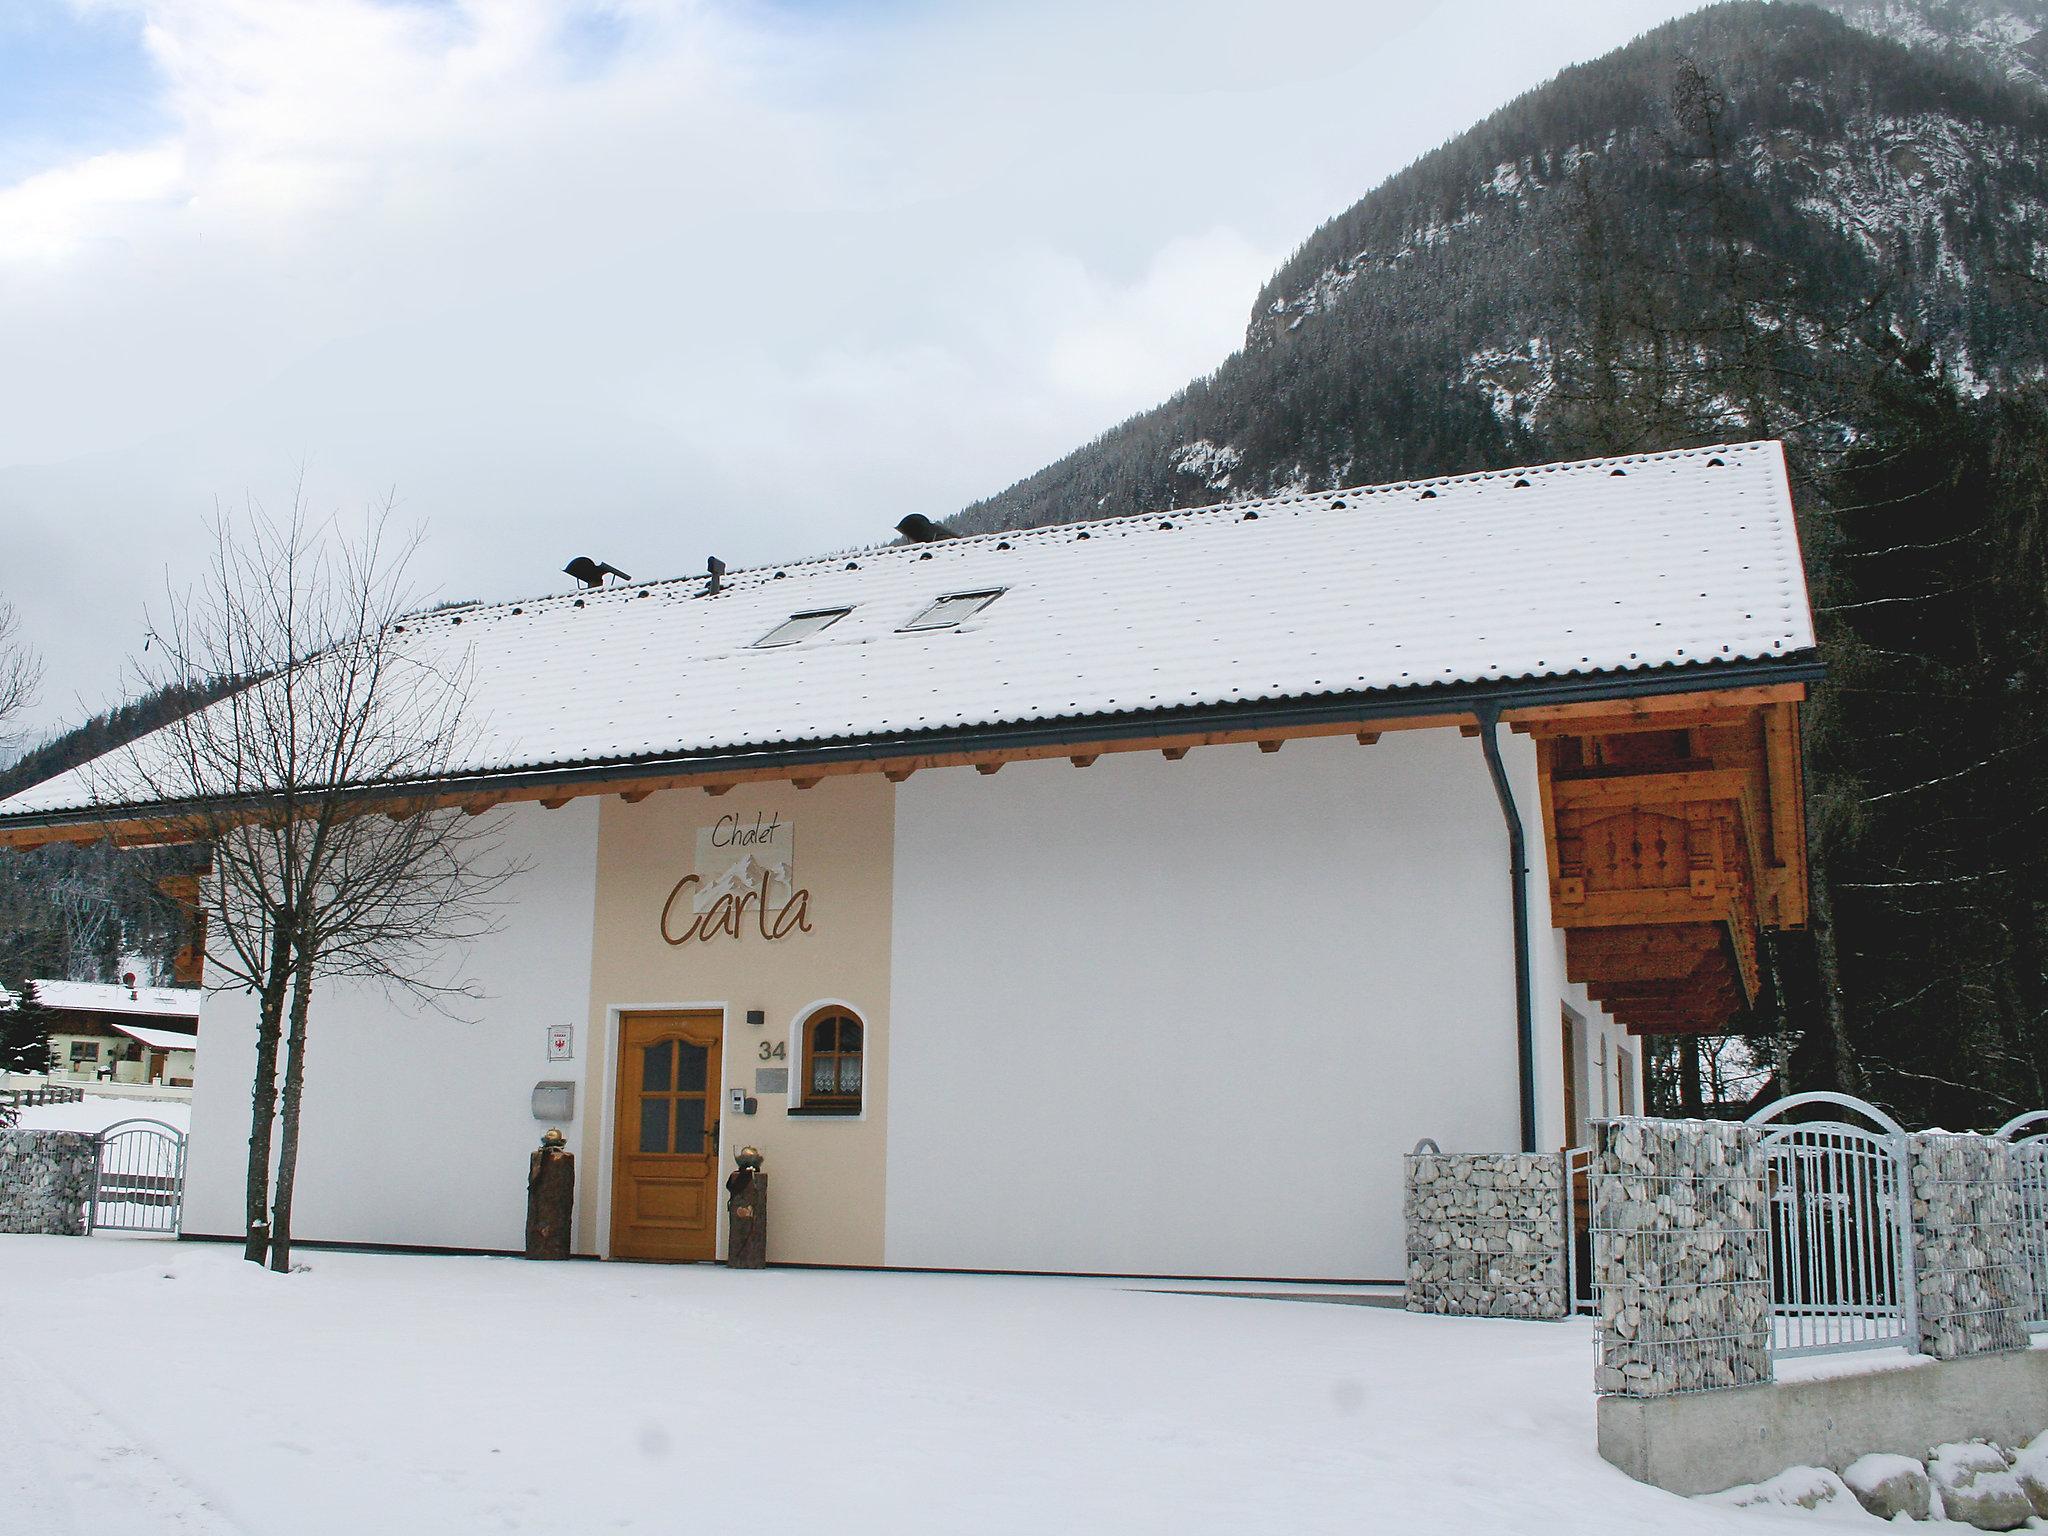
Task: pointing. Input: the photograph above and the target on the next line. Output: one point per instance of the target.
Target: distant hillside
(1709, 233)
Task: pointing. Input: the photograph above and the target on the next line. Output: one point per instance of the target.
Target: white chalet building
(1124, 896)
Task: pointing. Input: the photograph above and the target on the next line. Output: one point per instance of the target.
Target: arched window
(833, 1043)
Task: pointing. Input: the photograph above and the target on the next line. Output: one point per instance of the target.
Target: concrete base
(1706, 1441)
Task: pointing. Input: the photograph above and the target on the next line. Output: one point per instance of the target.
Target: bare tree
(309, 783)
(21, 669)
(24, 1028)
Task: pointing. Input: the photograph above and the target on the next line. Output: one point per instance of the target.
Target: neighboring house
(122, 1033)
(1121, 896)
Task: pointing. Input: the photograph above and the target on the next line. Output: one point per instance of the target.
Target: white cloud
(756, 280)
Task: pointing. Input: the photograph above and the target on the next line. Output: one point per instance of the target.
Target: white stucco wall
(1185, 1018)
(417, 1126)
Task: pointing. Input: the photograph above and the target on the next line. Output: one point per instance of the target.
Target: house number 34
(777, 1050)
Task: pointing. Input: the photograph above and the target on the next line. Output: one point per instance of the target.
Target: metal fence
(1841, 1227)
(2028, 1135)
(1578, 1214)
(140, 1185)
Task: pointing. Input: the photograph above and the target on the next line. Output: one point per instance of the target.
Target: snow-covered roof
(160, 1039)
(1603, 568)
(106, 997)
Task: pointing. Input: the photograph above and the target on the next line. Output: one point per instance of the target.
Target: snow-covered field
(149, 1388)
(97, 1111)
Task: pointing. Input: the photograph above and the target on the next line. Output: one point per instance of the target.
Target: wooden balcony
(1675, 836)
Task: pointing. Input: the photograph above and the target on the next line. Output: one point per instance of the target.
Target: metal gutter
(1280, 714)
(1518, 885)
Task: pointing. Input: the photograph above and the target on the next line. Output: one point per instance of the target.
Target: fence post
(1969, 1267)
(1486, 1233)
(1681, 1256)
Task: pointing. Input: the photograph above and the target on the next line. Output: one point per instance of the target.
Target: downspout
(1518, 879)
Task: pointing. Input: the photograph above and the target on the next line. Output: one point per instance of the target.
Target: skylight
(954, 608)
(801, 626)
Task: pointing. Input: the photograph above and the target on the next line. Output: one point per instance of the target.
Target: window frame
(768, 642)
(807, 1101)
(923, 621)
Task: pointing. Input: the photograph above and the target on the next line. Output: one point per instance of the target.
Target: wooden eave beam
(1570, 719)
(1650, 712)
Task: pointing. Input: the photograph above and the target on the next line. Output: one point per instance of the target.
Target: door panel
(665, 1139)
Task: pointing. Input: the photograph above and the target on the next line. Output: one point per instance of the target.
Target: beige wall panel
(827, 1172)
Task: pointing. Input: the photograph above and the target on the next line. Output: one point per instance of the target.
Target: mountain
(2008, 36)
(1712, 232)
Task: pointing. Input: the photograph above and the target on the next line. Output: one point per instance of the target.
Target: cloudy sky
(647, 279)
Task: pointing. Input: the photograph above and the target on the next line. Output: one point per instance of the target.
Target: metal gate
(1841, 1228)
(2028, 1134)
(141, 1182)
(1578, 1220)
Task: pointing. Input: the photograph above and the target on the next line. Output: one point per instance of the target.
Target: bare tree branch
(291, 778)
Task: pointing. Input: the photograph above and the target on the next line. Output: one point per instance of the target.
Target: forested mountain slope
(1701, 235)
(1758, 220)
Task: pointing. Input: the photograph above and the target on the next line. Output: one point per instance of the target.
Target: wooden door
(665, 1137)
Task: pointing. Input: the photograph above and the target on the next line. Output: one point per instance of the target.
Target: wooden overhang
(1674, 838)
(1673, 821)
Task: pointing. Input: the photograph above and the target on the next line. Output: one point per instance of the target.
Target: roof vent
(1083, 534)
(1337, 505)
(1716, 462)
(1253, 517)
(714, 568)
(1165, 525)
(592, 572)
(1427, 496)
(1616, 473)
(1521, 482)
(919, 529)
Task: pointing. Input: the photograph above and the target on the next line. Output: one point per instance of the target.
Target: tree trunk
(1690, 1099)
(288, 1140)
(263, 1097)
(1848, 1077)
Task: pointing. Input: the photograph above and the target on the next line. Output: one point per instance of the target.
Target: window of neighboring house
(85, 1050)
(834, 1045)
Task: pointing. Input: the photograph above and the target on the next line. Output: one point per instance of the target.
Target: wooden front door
(665, 1137)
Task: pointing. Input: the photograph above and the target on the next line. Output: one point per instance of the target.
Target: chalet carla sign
(745, 877)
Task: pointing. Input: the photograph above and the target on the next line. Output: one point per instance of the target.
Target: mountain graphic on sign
(744, 876)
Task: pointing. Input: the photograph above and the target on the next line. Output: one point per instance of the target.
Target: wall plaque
(771, 1079)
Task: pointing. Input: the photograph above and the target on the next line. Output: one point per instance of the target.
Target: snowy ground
(171, 1388)
(95, 1112)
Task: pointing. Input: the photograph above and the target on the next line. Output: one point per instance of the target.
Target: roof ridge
(753, 575)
